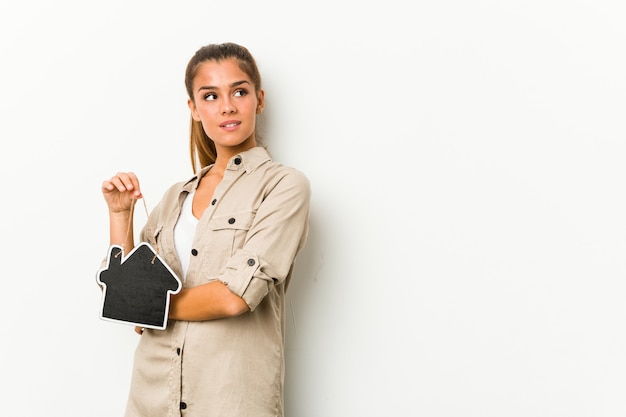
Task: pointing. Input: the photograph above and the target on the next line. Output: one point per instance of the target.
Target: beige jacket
(248, 238)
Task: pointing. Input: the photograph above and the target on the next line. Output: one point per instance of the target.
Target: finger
(107, 185)
(132, 183)
(122, 182)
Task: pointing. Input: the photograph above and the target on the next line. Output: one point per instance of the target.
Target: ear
(260, 102)
(194, 112)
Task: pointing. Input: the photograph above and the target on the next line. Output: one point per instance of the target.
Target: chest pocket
(230, 231)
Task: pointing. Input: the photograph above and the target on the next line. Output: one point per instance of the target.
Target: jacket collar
(248, 160)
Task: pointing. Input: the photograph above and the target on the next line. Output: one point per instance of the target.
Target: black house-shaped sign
(137, 288)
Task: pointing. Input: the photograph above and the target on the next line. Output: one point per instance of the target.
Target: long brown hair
(202, 147)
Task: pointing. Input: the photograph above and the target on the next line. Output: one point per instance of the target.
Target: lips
(230, 124)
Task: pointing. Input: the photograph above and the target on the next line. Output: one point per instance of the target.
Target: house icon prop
(137, 288)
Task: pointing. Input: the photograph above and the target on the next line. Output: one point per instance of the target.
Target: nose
(228, 107)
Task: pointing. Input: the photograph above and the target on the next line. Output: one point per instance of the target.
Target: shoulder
(263, 168)
(286, 176)
(174, 190)
(172, 193)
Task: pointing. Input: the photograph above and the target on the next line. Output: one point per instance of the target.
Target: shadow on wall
(302, 300)
(304, 304)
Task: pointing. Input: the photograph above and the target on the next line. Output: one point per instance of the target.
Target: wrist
(120, 214)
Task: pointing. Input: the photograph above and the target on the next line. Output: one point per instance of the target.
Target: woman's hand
(121, 191)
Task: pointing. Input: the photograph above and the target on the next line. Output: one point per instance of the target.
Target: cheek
(204, 113)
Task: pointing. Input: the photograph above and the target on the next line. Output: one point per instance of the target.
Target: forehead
(219, 74)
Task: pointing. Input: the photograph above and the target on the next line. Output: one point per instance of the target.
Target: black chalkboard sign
(137, 288)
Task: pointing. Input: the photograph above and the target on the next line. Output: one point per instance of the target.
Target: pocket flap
(237, 221)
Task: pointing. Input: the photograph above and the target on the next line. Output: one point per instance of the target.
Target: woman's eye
(210, 96)
(241, 93)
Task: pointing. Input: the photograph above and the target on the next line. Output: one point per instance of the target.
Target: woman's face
(224, 100)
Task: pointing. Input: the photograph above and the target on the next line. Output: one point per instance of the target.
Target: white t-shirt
(184, 232)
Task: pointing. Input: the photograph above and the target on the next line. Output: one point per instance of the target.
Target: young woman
(231, 232)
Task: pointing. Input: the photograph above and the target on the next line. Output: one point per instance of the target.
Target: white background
(466, 256)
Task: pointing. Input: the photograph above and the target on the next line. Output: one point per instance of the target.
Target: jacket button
(194, 252)
(237, 161)
(214, 201)
(251, 262)
(231, 220)
(183, 405)
(178, 351)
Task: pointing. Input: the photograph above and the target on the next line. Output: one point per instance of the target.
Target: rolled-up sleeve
(276, 236)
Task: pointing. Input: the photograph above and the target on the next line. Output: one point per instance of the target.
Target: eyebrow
(231, 85)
